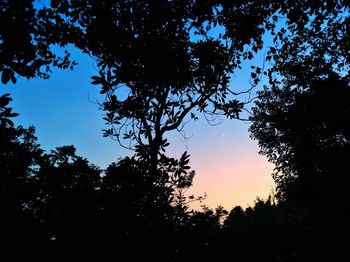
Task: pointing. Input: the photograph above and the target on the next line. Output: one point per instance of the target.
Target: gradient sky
(228, 166)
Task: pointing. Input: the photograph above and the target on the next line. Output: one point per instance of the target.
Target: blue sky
(64, 111)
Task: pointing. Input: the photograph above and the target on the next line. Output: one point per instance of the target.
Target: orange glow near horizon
(228, 166)
(232, 182)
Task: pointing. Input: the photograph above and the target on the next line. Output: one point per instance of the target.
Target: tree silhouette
(68, 201)
(136, 213)
(166, 60)
(19, 157)
(304, 131)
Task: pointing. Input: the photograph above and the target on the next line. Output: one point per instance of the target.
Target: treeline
(59, 204)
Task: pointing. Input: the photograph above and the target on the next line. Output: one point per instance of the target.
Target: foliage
(5, 111)
(28, 35)
(304, 131)
(19, 157)
(165, 61)
(315, 34)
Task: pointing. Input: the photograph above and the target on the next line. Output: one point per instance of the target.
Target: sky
(64, 111)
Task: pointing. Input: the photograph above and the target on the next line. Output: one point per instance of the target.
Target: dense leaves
(5, 111)
(60, 203)
(165, 61)
(28, 35)
(304, 131)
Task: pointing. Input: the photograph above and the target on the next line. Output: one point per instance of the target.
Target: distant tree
(19, 159)
(264, 232)
(68, 200)
(136, 214)
(198, 236)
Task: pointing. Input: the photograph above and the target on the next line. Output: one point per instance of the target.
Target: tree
(304, 131)
(199, 235)
(309, 67)
(136, 214)
(303, 128)
(19, 158)
(166, 59)
(68, 201)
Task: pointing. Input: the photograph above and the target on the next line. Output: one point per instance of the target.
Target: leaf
(5, 100)
(13, 78)
(9, 122)
(96, 80)
(13, 115)
(5, 77)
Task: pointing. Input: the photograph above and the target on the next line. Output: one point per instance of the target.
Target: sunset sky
(228, 166)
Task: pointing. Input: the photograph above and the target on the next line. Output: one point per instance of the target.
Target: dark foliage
(60, 204)
(27, 38)
(305, 131)
(19, 155)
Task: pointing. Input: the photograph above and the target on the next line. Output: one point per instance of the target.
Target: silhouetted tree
(304, 131)
(68, 201)
(136, 214)
(165, 60)
(198, 235)
(302, 126)
(19, 158)
(264, 232)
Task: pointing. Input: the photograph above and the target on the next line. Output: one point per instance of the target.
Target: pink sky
(227, 164)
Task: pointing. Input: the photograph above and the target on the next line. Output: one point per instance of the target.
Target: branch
(184, 113)
(178, 122)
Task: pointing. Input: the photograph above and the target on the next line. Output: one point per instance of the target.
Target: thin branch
(185, 112)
